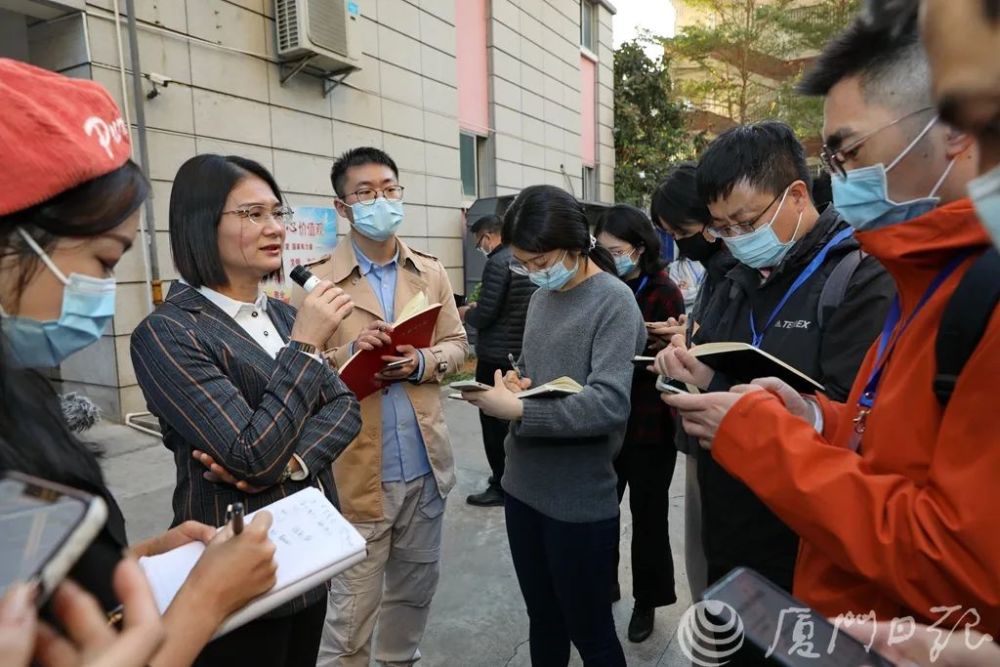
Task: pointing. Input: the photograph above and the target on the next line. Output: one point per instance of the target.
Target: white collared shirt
(254, 319)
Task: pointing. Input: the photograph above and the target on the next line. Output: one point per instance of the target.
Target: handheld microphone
(305, 278)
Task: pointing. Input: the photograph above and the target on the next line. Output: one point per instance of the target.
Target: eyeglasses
(620, 252)
(833, 160)
(259, 214)
(528, 266)
(369, 195)
(741, 228)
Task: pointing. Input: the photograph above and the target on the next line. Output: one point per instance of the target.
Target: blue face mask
(862, 196)
(625, 264)
(88, 304)
(380, 220)
(554, 277)
(985, 193)
(762, 248)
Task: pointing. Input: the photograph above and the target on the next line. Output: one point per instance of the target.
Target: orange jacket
(910, 522)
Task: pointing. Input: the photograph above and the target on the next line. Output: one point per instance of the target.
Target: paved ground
(478, 618)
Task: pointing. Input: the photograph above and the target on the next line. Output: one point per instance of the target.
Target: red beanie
(55, 133)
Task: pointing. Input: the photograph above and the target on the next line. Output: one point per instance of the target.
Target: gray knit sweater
(560, 455)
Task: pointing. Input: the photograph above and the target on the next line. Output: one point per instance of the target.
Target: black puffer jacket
(499, 314)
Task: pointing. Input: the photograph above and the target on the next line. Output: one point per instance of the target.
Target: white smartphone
(395, 364)
(668, 386)
(469, 385)
(44, 529)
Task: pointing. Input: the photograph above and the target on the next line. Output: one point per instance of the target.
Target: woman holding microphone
(239, 379)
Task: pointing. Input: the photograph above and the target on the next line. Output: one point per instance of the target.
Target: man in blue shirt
(392, 481)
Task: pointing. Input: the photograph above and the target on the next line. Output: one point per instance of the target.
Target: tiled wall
(404, 100)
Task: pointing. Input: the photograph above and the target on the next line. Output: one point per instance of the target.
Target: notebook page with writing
(313, 543)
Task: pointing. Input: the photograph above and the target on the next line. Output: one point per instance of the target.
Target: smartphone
(470, 385)
(669, 386)
(395, 364)
(780, 627)
(643, 361)
(44, 529)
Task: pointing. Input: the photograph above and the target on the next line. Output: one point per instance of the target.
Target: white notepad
(313, 544)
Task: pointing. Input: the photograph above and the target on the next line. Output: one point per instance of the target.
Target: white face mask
(985, 193)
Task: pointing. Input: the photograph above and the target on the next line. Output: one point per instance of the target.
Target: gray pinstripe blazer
(215, 389)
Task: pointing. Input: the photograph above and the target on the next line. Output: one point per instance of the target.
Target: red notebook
(358, 373)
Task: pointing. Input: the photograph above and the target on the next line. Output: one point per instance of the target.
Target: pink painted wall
(473, 91)
(588, 121)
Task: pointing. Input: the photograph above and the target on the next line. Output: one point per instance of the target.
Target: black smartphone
(44, 529)
(787, 632)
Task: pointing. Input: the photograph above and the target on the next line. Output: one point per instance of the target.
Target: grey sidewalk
(478, 617)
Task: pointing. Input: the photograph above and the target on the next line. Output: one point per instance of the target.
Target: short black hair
(487, 224)
(632, 226)
(766, 156)
(888, 58)
(358, 157)
(197, 200)
(675, 202)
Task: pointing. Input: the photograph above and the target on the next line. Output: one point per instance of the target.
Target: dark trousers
(494, 430)
(289, 641)
(562, 569)
(647, 471)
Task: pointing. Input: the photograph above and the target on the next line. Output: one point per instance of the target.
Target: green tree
(744, 62)
(650, 132)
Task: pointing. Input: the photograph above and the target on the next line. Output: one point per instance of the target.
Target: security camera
(156, 80)
(159, 79)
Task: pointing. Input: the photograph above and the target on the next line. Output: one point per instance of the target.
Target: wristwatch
(307, 348)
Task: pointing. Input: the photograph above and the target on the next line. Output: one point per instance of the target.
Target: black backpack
(965, 320)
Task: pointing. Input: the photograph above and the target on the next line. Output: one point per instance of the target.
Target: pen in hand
(513, 364)
(234, 515)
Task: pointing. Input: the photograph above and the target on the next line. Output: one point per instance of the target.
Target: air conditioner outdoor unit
(325, 31)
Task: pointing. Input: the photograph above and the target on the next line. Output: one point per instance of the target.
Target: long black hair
(544, 218)
(197, 200)
(34, 437)
(633, 227)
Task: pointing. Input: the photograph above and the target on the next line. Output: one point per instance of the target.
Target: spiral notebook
(313, 543)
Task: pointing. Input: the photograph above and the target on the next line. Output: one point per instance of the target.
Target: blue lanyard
(806, 274)
(642, 285)
(867, 399)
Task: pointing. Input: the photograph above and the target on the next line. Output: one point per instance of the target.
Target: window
(588, 25)
(589, 184)
(468, 156)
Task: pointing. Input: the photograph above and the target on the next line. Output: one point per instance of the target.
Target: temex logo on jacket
(115, 131)
(792, 324)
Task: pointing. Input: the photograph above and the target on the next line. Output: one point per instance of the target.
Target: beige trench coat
(358, 471)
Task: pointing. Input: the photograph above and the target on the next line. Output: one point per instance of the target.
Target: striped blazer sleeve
(186, 387)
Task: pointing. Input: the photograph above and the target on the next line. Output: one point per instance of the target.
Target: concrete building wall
(226, 97)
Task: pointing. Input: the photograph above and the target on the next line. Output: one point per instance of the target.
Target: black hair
(675, 201)
(358, 157)
(544, 218)
(766, 156)
(34, 437)
(887, 56)
(487, 224)
(89, 209)
(822, 189)
(632, 226)
(197, 200)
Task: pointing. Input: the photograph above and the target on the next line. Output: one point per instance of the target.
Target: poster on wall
(311, 235)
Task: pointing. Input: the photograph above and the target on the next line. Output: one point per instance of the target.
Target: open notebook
(313, 544)
(745, 363)
(414, 326)
(564, 386)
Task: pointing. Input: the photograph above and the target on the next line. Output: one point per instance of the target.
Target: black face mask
(697, 247)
